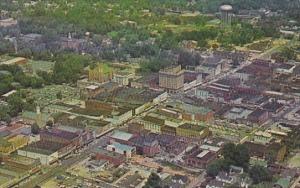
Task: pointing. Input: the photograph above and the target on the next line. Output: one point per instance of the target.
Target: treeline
(238, 155)
(13, 77)
(16, 103)
(67, 69)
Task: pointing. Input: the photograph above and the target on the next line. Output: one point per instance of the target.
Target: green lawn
(3, 180)
(263, 185)
(294, 161)
(35, 66)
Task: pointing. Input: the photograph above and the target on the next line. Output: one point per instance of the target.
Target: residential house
(215, 184)
(225, 178)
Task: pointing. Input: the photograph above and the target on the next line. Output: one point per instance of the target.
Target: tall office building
(171, 78)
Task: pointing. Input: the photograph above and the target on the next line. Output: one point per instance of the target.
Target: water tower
(226, 14)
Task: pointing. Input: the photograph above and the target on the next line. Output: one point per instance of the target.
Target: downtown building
(171, 79)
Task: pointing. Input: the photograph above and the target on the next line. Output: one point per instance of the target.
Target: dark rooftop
(59, 133)
(154, 120)
(257, 112)
(145, 140)
(43, 147)
(272, 106)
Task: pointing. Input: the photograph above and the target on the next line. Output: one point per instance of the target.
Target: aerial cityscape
(149, 93)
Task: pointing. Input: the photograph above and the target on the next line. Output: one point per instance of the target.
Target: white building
(46, 157)
(122, 149)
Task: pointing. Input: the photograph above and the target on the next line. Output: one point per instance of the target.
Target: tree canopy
(259, 174)
(237, 155)
(153, 181)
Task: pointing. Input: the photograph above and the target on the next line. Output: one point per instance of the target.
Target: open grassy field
(36, 66)
(3, 180)
(294, 161)
(48, 94)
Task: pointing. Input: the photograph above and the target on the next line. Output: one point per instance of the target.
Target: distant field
(260, 45)
(35, 66)
(48, 94)
(5, 58)
(214, 22)
(32, 66)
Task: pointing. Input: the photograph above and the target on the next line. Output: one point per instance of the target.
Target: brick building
(258, 116)
(146, 145)
(110, 156)
(199, 158)
(72, 140)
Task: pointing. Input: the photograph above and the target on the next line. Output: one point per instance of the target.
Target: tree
(153, 181)
(168, 40)
(36, 82)
(228, 151)
(16, 103)
(285, 54)
(160, 169)
(259, 174)
(59, 95)
(242, 156)
(30, 104)
(236, 154)
(5, 84)
(232, 155)
(49, 123)
(154, 65)
(271, 156)
(213, 169)
(4, 87)
(68, 67)
(6, 46)
(35, 129)
(4, 113)
(219, 165)
(47, 77)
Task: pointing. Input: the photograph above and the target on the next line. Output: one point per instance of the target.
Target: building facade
(171, 79)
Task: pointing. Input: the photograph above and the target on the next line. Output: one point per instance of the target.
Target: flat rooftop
(122, 147)
(153, 119)
(108, 153)
(129, 96)
(188, 107)
(192, 127)
(43, 147)
(121, 135)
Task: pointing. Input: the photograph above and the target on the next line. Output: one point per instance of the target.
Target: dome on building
(226, 8)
